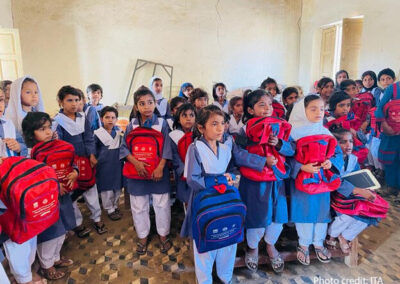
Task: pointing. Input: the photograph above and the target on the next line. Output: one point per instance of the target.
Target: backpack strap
(395, 91)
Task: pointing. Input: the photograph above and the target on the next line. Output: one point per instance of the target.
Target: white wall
(6, 20)
(380, 39)
(83, 41)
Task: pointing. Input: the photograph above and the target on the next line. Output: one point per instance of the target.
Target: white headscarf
(158, 96)
(301, 126)
(14, 110)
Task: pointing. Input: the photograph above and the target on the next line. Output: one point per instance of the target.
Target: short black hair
(336, 98)
(33, 121)
(386, 71)
(182, 109)
(176, 101)
(324, 81)
(345, 83)
(108, 109)
(94, 88)
(269, 81)
(68, 90)
(198, 93)
(288, 91)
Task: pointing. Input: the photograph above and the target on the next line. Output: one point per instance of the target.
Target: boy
(95, 94)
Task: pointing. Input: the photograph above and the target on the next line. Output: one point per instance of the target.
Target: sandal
(305, 254)
(114, 216)
(141, 249)
(63, 262)
(323, 254)
(81, 231)
(344, 245)
(51, 273)
(165, 246)
(251, 260)
(100, 227)
(277, 263)
(331, 242)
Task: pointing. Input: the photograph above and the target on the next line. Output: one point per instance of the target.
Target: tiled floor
(111, 258)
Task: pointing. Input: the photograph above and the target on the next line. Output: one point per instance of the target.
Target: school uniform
(92, 116)
(224, 108)
(7, 130)
(234, 126)
(389, 149)
(376, 92)
(170, 122)
(80, 134)
(309, 212)
(162, 104)
(140, 190)
(349, 226)
(98, 108)
(109, 167)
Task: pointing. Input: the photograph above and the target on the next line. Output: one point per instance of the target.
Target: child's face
(29, 94)
(326, 91)
(368, 82)
(352, 91)
(200, 103)
(359, 87)
(263, 108)
(214, 128)
(44, 133)
(175, 109)
(109, 120)
(70, 104)
(188, 91)
(271, 88)
(342, 108)
(291, 99)
(95, 97)
(220, 91)
(341, 77)
(238, 108)
(385, 80)
(346, 144)
(315, 111)
(146, 106)
(2, 103)
(187, 120)
(157, 86)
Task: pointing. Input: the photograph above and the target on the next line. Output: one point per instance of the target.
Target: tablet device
(362, 179)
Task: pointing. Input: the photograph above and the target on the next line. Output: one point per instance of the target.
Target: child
(325, 89)
(174, 103)
(5, 85)
(141, 182)
(37, 131)
(389, 149)
(349, 87)
(91, 114)
(199, 99)
(182, 134)
(386, 78)
(290, 95)
(271, 87)
(186, 90)
(311, 212)
(236, 111)
(25, 96)
(340, 76)
(264, 196)
(95, 94)
(359, 85)
(162, 105)
(109, 166)
(72, 127)
(370, 85)
(346, 227)
(219, 95)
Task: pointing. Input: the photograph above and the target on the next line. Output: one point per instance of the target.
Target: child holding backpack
(72, 127)
(109, 166)
(314, 173)
(59, 155)
(147, 147)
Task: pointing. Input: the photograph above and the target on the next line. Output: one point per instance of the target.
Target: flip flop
(100, 227)
(165, 246)
(277, 263)
(344, 245)
(251, 260)
(305, 253)
(325, 252)
(141, 249)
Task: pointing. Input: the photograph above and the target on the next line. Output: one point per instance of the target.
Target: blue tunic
(265, 201)
(143, 187)
(109, 166)
(92, 116)
(18, 137)
(182, 189)
(311, 208)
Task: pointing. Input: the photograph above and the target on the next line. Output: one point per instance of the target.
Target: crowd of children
(265, 135)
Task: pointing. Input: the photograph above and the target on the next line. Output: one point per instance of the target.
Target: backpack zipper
(11, 168)
(218, 204)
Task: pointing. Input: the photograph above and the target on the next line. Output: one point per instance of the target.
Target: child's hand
(326, 165)
(55, 135)
(63, 190)
(387, 129)
(273, 140)
(229, 179)
(310, 168)
(271, 161)
(367, 194)
(72, 176)
(141, 168)
(93, 160)
(12, 144)
(158, 173)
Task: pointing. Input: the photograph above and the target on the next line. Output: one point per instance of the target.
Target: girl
(186, 90)
(350, 88)
(199, 99)
(271, 87)
(182, 133)
(265, 200)
(325, 89)
(346, 227)
(72, 127)
(37, 130)
(109, 167)
(5, 85)
(156, 86)
(311, 212)
(219, 95)
(370, 85)
(236, 111)
(174, 103)
(95, 94)
(290, 95)
(25, 96)
(359, 85)
(144, 183)
(340, 76)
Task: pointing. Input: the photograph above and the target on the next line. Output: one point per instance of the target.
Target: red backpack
(183, 145)
(362, 105)
(355, 205)
(373, 125)
(146, 145)
(392, 110)
(59, 155)
(29, 189)
(316, 149)
(258, 131)
(87, 174)
(279, 110)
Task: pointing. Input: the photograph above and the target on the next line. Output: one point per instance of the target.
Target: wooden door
(10, 55)
(351, 46)
(327, 51)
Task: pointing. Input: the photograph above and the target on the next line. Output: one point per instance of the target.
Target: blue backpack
(218, 215)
